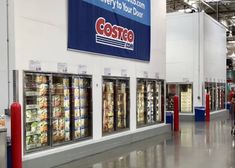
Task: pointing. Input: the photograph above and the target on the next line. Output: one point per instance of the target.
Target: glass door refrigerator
(82, 107)
(108, 105)
(186, 98)
(140, 103)
(172, 90)
(36, 111)
(150, 85)
(60, 117)
(158, 101)
(122, 103)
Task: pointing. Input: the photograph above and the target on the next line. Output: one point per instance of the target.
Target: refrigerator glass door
(36, 111)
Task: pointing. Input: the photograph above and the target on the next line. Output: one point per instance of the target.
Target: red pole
(16, 135)
(207, 107)
(176, 113)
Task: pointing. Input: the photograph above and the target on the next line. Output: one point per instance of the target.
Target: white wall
(181, 46)
(41, 34)
(183, 63)
(3, 57)
(195, 51)
(214, 50)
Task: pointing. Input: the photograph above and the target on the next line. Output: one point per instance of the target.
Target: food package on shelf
(42, 89)
(40, 79)
(42, 102)
(2, 120)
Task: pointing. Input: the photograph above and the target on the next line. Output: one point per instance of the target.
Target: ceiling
(221, 10)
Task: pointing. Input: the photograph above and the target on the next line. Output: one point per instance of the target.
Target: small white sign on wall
(145, 74)
(157, 75)
(82, 69)
(186, 80)
(62, 67)
(107, 72)
(124, 72)
(35, 65)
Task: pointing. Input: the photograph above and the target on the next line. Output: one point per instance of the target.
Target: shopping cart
(233, 118)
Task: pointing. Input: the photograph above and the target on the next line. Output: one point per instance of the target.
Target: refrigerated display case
(36, 111)
(61, 118)
(221, 96)
(82, 107)
(172, 90)
(140, 103)
(57, 109)
(210, 88)
(186, 98)
(149, 100)
(185, 93)
(115, 104)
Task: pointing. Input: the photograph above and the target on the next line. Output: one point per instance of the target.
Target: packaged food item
(77, 134)
(84, 112)
(55, 124)
(42, 126)
(42, 89)
(2, 120)
(66, 82)
(67, 114)
(43, 138)
(66, 92)
(61, 124)
(77, 112)
(57, 112)
(34, 127)
(42, 113)
(75, 82)
(76, 92)
(66, 103)
(67, 125)
(77, 123)
(42, 102)
(56, 100)
(76, 102)
(59, 89)
(67, 136)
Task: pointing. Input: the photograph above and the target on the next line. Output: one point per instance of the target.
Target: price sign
(145, 74)
(82, 69)
(35, 65)
(62, 67)
(107, 72)
(124, 72)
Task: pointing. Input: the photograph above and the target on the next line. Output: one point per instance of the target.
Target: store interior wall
(183, 63)
(195, 40)
(214, 50)
(3, 58)
(42, 36)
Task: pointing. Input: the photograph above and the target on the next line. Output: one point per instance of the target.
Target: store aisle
(198, 145)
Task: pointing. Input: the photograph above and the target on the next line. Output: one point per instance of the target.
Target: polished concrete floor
(198, 145)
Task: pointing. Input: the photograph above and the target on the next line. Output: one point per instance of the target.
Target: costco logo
(113, 35)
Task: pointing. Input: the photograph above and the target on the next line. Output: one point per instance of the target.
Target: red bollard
(176, 113)
(207, 107)
(16, 140)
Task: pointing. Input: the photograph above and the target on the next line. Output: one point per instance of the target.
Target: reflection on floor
(200, 145)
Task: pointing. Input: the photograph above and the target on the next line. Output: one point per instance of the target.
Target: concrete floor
(198, 145)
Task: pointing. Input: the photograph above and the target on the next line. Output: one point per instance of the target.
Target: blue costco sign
(112, 27)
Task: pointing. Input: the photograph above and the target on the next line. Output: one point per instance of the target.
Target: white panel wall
(196, 51)
(41, 34)
(181, 46)
(3, 57)
(214, 50)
